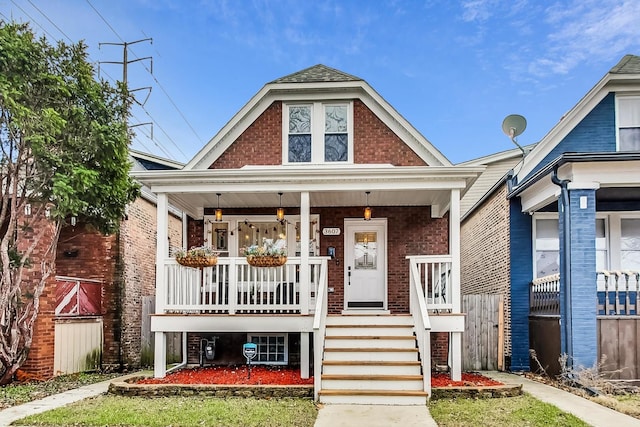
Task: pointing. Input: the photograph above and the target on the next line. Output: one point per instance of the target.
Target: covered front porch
(402, 261)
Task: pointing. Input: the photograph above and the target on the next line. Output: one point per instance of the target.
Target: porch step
(362, 367)
(371, 354)
(371, 359)
(365, 341)
(373, 397)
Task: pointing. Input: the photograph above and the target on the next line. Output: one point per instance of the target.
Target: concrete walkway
(588, 411)
(374, 416)
(9, 415)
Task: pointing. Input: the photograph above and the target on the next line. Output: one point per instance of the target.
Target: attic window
(629, 123)
(318, 133)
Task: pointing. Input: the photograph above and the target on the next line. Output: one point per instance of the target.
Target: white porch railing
(433, 276)
(233, 286)
(544, 295)
(618, 292)
(418, 308)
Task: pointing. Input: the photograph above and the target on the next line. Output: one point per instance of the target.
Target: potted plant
(269, 254)
(197, 257)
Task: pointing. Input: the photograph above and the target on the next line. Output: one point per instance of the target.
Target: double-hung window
(630, 244)
(628, 123)
(318, 132)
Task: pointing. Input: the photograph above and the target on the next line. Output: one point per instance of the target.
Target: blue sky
(454, 69)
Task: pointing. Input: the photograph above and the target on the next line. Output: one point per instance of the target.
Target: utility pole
(126, 61)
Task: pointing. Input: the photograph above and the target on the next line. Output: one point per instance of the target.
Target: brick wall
(138, 246)
(484, 253)
(261, 142)
(584, 346)
(521, 256)
(595, 133)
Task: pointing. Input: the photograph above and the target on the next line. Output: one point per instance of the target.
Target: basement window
(273, 349)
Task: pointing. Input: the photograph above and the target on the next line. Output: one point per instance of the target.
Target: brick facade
(484, 252)
(584, 344)
(261, 142)
(125, 263)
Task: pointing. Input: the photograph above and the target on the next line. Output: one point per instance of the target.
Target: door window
(365, 251)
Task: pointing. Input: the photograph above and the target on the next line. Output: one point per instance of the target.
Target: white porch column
(304, 354)
(162, 251)
(305, 218)
(160, 355)
(454, 250)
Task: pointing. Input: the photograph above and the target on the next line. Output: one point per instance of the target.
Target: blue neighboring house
(570, 235)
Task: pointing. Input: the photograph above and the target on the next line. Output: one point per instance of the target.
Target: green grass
(511, 411)
(16, 394)
(109, 410)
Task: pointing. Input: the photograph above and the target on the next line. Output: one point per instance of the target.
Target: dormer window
(628, 123)
(318, 133)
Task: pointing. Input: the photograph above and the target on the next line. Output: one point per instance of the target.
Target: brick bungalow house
(560, 234)
(91, 311)
(368, 211)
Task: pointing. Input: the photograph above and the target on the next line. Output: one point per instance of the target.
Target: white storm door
(365, 264)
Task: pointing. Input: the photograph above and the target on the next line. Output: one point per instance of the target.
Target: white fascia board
(603, 174)
(156, 159)
(496, 157)
(539, 195)
(288, 179)
(231, 323)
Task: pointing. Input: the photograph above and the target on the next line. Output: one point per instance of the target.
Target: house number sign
(331, 231)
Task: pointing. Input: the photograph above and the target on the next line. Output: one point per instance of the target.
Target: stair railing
(418, 307)
(319, 328)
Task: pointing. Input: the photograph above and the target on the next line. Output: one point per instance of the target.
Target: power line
(152, 76)
(52, 23)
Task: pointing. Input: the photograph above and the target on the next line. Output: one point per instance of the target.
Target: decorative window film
(365, 250)
(629, 123)
(336, 141)
(318, 133)
(300, 133)
(272, 349)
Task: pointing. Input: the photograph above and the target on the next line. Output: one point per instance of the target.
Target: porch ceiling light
(218, 210)
(367, 210)
(280, 210)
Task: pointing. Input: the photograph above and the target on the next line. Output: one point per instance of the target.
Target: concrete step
(372, 382)
(369, 341)
(371, 354)
(373, 397)
(359, 367)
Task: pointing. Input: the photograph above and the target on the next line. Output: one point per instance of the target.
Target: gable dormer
(318, 117)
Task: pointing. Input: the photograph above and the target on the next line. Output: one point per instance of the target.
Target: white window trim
(267, 362)
(613, 234)
(617, 114)
(317, 132)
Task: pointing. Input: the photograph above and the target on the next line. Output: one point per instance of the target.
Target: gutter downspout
(565, 263)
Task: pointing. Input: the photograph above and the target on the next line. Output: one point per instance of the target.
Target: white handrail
(319, 328)
(418, 307)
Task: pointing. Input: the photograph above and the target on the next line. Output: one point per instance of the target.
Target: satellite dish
(513, 125)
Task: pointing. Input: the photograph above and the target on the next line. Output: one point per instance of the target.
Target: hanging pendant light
(280, 210)
(218, 210)
(367, 210)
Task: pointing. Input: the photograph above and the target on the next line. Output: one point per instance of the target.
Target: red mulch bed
(233, 375)
(469, 379)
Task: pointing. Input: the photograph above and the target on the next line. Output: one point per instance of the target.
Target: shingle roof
(317, 73)
(629, 64)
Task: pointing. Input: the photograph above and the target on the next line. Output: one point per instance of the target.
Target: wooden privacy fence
(483, 339)
(174, 339)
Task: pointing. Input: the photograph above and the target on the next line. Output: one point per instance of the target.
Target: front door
(365, 280)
